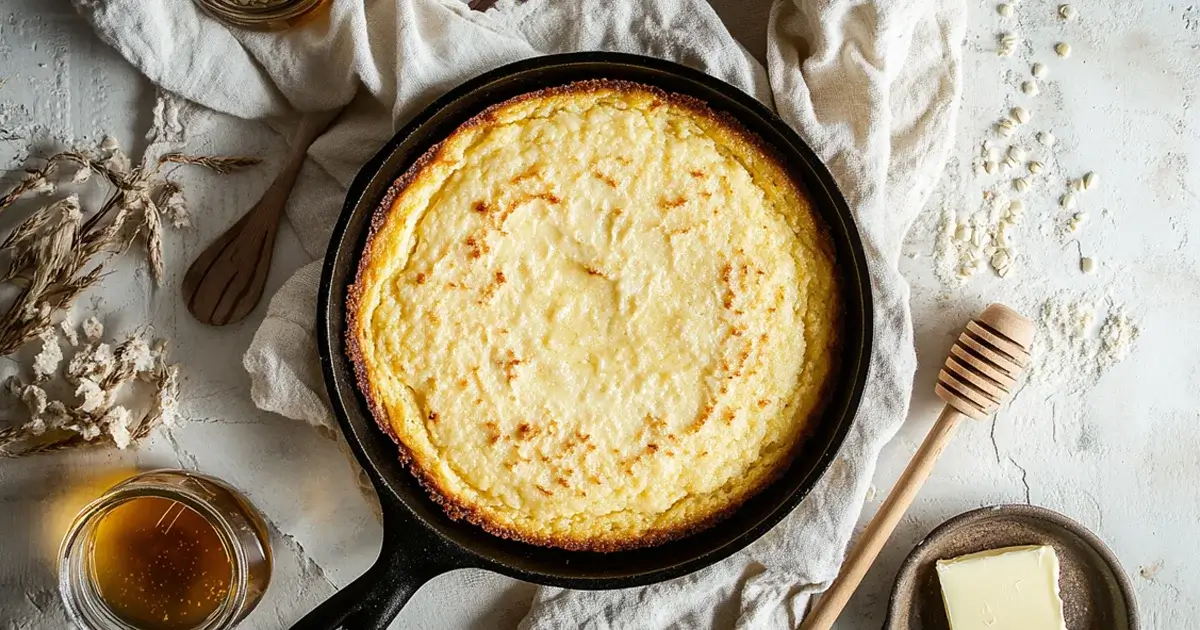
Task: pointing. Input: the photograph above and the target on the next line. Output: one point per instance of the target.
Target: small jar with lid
(164, 550)
(264, 15)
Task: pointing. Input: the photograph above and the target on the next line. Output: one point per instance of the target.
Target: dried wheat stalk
(219, 164)
(55, 255)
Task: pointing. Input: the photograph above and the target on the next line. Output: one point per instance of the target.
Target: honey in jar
(160, 565)
(165, 550)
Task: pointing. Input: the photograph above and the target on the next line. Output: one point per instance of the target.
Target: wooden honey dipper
(979, 374)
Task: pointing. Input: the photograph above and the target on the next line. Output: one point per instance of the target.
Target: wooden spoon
(979, 374)
(226, 280)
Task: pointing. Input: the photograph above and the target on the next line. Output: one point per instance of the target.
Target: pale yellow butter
(1015, 588)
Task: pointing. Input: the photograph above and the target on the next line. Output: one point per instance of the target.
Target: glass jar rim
(265, 16)
(85, 607)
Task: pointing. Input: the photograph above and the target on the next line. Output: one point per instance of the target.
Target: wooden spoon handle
(873, 538)
(226, 281)
(310, 127)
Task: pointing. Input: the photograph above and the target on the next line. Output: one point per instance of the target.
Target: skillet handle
(410, 557)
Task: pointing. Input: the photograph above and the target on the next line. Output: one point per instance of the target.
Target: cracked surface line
(1013, 398)
(1054, 423)
(992, 436)
(1099, 510)
(992, 431)
(34, 602)
(222, 420)
(1024, 478)
(1171, 587)
(181, 454)
(204, 396)
(309, 567)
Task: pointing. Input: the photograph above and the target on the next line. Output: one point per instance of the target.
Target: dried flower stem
(33, 180)
(219, 164)
(94, 415)
(20, 441)
(55, 255)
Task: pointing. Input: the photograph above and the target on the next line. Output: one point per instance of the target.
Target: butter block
(1015, 588)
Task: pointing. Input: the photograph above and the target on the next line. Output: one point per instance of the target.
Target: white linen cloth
(872, 85)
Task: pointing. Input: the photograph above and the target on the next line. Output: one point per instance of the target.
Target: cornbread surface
(596, 317)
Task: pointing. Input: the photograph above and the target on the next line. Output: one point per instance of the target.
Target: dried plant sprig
(152, 225)
(93, 414)
(46, 443)
(36, 221)
(35, 182)
(219, 164)
(56, 254)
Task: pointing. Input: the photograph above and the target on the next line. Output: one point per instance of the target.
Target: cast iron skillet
(419, 540)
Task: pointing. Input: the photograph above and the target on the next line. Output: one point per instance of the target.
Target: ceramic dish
(1095, 591)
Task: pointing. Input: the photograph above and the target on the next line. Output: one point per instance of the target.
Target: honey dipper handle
(873, 538)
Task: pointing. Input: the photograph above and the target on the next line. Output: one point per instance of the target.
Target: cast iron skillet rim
(855, 366)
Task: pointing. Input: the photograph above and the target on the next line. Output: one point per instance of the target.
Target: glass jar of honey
(264, 15)
(164, 550)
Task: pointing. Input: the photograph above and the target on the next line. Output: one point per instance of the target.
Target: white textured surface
(1119, 456)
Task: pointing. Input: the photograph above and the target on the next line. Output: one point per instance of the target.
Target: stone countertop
(1116, 451)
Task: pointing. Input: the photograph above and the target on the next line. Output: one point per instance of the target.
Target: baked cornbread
(595, 317)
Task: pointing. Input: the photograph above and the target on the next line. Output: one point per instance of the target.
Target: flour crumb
(138, 355)
(117, 422)
(970, 240)
(35, 400)
(69, 333)
(45, 364)
(1151, 570)
(176, 210)
(166, 127)
(1078, 341)
(167, 398)
(93, 330)
(91, 396)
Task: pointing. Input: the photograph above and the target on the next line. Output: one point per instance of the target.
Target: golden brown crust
(459, 510)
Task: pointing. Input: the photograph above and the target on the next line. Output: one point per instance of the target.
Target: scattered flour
(90, 395)
(13, 122)
(969, 241)
(19, 122)
(16, 122)
(45, 364)
(1151, 570)
(1079, 340)
(1016, 168)
(167, 128)
(983, 220)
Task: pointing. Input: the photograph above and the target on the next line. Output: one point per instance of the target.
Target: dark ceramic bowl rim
(909, 566)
